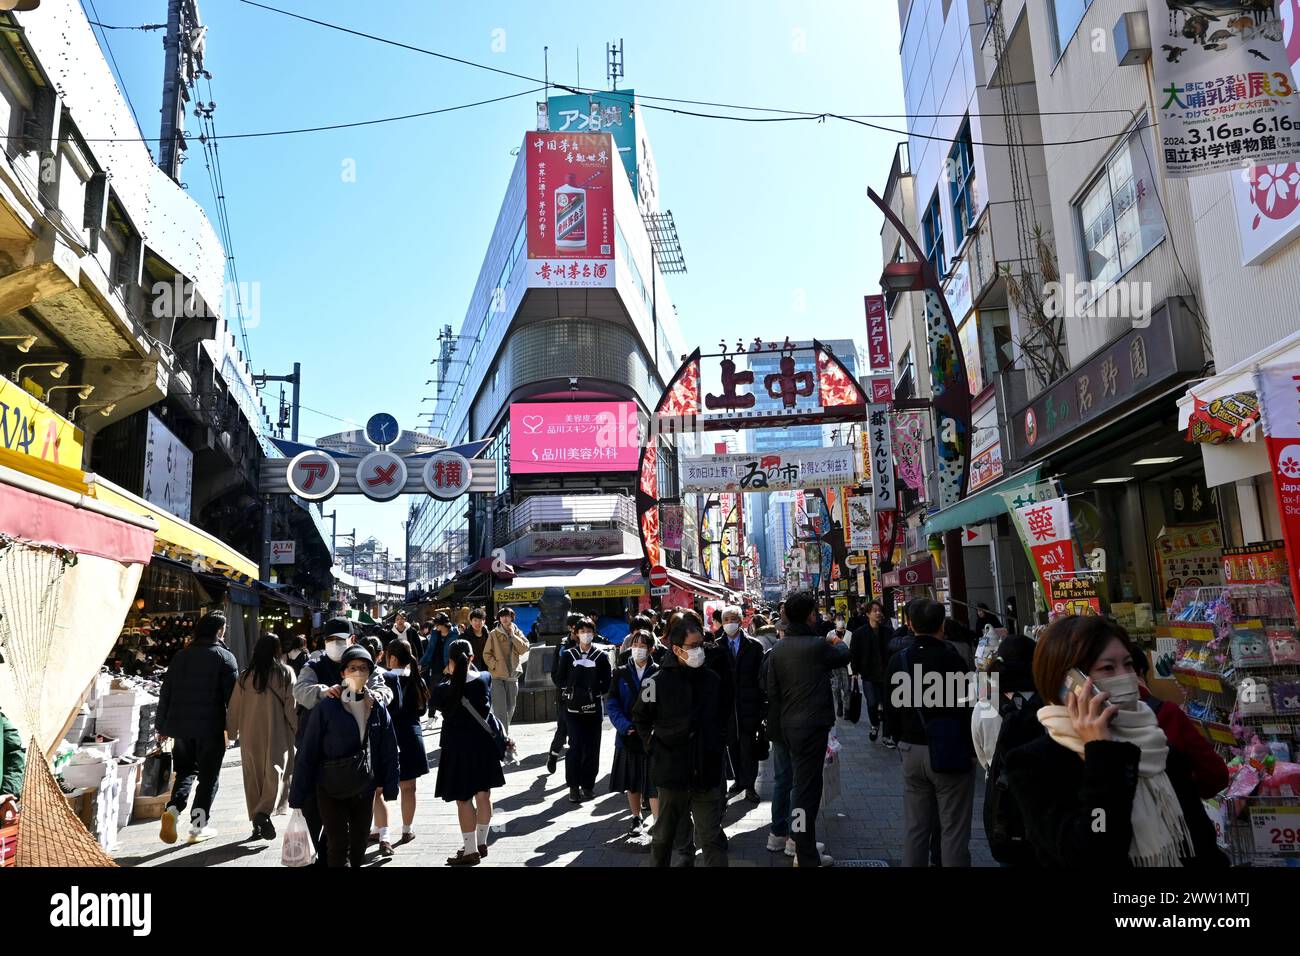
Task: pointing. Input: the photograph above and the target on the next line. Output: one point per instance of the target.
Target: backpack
(1004, 825)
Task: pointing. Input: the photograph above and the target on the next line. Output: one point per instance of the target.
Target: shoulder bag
(346, 777)
(492, 726)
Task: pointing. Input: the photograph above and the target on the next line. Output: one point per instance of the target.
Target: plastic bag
(830, 781)
(297, 849)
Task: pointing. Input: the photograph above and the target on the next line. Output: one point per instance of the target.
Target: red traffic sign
(658, 576)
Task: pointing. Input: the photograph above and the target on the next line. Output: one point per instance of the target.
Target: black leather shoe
(574, 796)
(588, 795)
(550, 763)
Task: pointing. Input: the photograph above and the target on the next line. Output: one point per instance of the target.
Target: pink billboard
(574, 437)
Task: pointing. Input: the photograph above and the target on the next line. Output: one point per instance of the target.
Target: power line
(109, 26)
(117, 69)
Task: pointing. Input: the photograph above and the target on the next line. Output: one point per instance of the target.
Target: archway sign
(811, 386)
(315, 474)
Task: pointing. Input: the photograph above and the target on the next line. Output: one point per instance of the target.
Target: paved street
(537, 826)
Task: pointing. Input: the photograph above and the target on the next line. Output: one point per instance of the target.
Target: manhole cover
(860, 863)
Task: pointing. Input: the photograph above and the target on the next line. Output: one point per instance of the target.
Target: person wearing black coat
(744, 661)
(1102, 788)
(869, 660)
(410, 698)
(192, 710)
(799, 685)
(469, 763)
(561, 736)
(338, 729)
(679, 715)
(583, 675)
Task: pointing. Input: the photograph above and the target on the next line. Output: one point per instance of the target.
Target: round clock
(382, 429)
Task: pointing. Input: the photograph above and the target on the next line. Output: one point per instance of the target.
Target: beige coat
(265, 724)
(502, 651)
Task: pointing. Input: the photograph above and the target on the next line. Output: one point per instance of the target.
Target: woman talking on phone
(1103, 787)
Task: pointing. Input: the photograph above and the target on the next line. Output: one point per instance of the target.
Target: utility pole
(182, 62)
(294, 379)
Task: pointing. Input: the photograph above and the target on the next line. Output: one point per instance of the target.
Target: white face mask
(586, 639)
(355, 682)
(639, 654)
(397, 671)
(731, 627)
(1123, 690)
(695, 657)
(334, 650)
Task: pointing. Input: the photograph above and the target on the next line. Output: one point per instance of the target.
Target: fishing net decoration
(31, 594)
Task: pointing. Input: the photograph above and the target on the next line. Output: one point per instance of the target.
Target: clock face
(382, 429)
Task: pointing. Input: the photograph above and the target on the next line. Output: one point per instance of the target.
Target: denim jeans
(782, 788)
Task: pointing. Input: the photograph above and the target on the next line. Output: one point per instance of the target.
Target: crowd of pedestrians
(1064, 728)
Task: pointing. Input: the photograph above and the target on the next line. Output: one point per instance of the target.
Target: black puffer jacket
(196, 690)
(678, 711)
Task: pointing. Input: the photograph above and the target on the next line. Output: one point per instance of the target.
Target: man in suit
(744, 658)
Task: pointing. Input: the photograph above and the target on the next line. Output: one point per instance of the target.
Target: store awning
(581, 584)
(178, 539)
(1237, 378)
(981, 506)
(50, 513)
(913, 575)
(689, 582)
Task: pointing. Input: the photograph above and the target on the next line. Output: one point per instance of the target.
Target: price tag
(1276, 829)
(1218, 813)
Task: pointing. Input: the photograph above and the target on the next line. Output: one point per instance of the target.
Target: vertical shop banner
(1015, 499)
(879, 357)
(168, 470)
(1279, 391)
(909, 439)
(879, 436)
(670, 527)
(1047, 529)
(1225, 97)
(860, 532)
(570, 210)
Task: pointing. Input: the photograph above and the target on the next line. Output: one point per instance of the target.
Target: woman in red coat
(1208, 771)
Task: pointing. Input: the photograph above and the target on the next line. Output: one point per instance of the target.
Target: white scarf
(355, 704)
(1160, 834)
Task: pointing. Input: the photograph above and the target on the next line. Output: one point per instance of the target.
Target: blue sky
(357, 277)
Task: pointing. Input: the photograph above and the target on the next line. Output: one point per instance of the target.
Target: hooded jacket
(683, 722)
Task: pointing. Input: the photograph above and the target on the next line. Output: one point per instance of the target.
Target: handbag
(492, 726)
(156, 774)
(854, 712)
(297, 849)
(345, 777)
(949, 740)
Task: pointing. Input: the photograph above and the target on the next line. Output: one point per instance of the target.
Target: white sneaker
(775, 844)
(199, 829)
(827, 860)
(789, 847)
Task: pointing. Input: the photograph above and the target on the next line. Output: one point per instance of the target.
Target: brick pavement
(535, 825)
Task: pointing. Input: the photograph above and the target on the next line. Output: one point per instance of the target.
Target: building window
(1119, 215)
(932, 235)
(961, 183)
(1066, 17)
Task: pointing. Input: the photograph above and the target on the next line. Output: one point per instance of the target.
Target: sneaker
(752, 795)
(873, 734)
(574, 796)
(167, 833)
(775, 844)
(200, 834)
(635, 829)
(406, 838)
(789, 847)
(550, 763)
(385, 848)
(827, 860)
(463, 859)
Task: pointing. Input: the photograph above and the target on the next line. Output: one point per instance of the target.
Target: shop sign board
(880, 440)
(1129, 367)
(909, 440)
(574, 437)
(569, 210)
(772, 471)
(284, 552)
(879, 357)
(1224, 92)
(571, 543)
(1074, 593)
(28, 427)
(599, 112)
(1279, 391)
(1190, 556)
(168, 470)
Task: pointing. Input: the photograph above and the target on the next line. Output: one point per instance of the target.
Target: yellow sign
(1188, 632)
(856, 559)
(577, 594)
(1220, 735)
(28, 427)
(1212, 684)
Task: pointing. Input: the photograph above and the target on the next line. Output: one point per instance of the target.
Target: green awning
(981, 506)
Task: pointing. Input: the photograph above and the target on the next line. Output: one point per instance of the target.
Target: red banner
(570, 210)
(1280, 396)
(878, 335)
